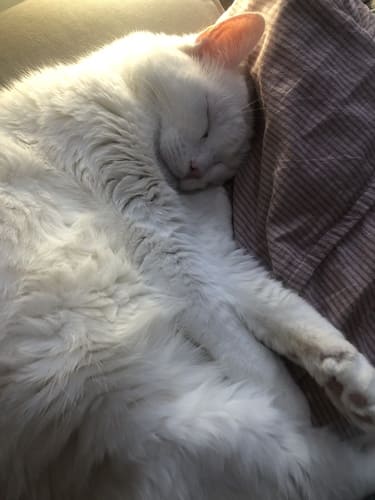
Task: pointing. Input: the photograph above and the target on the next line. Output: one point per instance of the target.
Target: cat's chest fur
(166, 244)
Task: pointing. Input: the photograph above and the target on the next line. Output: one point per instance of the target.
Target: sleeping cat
(129, 365)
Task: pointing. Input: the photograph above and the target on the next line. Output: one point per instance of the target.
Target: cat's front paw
(349, 380)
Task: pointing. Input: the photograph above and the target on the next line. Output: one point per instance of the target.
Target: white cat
(128, 369)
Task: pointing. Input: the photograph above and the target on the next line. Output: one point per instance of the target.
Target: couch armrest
(41, 32)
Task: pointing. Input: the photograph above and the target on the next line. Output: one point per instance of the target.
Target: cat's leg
(243, 358)
(225, 336)
(289, 325)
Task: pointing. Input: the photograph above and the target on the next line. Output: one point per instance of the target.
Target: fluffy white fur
(128, 368)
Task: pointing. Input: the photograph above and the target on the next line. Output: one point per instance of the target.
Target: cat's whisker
(260, 108)
(256, 99)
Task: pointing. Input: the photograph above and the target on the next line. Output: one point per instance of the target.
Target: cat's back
(55, 108)
(46, 120)
(64, 272)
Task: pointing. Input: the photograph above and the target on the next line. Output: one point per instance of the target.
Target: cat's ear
(229, 42)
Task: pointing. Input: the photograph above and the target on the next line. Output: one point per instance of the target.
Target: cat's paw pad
(349, 380)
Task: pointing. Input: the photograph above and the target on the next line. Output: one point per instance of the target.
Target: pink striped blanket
(305, 202)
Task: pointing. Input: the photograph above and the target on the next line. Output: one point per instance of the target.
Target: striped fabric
(305, 203)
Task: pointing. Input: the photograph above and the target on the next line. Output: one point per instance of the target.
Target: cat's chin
(217, 175)
(190, 184)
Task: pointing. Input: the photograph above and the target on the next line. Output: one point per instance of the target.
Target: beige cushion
(39, 32)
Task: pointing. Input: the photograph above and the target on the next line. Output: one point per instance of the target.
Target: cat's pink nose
(194, 171)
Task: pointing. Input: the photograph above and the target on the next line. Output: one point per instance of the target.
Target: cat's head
(199, 94)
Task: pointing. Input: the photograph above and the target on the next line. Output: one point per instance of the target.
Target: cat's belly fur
(66, 280)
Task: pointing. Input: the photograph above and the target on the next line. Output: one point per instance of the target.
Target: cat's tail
(219, 441)
(153, 419)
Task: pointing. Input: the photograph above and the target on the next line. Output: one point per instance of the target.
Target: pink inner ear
(232, 40)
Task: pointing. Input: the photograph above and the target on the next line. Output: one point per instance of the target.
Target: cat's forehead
(182, 84)
(162, 63)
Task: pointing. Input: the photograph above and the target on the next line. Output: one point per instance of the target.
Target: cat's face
(205, 124)
(200, 98)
